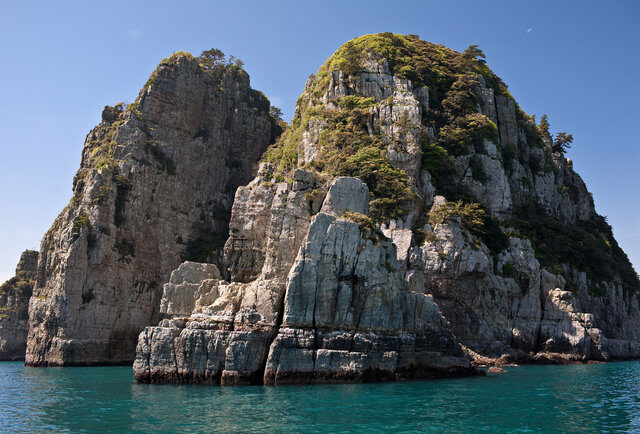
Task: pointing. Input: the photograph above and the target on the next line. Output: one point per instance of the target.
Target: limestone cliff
(474, 230)
(155, 187)
(414, 120)
(14, 305)
(313, 298)
(412, 221)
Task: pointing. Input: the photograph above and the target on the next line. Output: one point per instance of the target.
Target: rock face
(502, 294)
(516, 314)
(187, 283)
(155, 187)
(470, 237)
(339, 310)
(14, 305)
(349, 315)
(616, 313)
(227, 337)
(411, 222)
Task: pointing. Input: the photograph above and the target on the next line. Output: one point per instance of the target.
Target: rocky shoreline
(411, 222)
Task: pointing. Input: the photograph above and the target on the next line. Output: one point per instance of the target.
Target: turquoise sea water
(604, 397)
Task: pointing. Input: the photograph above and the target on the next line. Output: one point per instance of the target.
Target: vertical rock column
(14, 305)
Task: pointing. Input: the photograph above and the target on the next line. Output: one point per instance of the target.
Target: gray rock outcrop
(14, 305)
(338, 310)
(226, 338)
(349, 315)
(186, 284)
(519, 314)
(156, 185)
(346, 194)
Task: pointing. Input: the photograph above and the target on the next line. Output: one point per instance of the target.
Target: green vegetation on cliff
(346, 144)
(347, 149)
(19, 285)
(587, 246)
(343, 141)
(424, 63)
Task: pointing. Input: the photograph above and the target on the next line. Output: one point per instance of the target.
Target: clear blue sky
(62, 62)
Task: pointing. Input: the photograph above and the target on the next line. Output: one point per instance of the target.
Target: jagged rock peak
(28, 262)
(423, 126)
(155, 187)
(414, 119)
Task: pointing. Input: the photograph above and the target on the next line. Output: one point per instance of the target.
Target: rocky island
(411, 222)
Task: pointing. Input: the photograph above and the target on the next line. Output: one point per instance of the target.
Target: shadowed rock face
(227, 336)
(155, 187)
(14, 305)
(526, 316)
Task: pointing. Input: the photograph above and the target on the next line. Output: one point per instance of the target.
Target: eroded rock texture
(517, 315)
(495, 292)
(329, 303)
(14, 305)
(449, 252)
(156, 185)
(227, 337)
(349, 314)
(411, 218)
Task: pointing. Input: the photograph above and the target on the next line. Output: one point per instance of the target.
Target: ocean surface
(602, 397)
